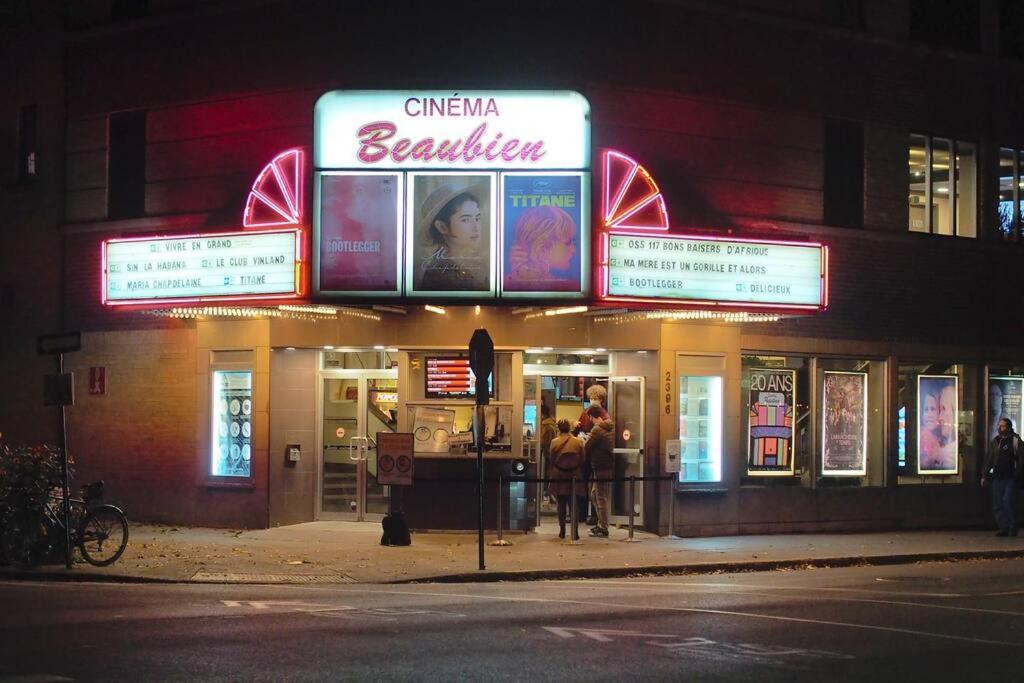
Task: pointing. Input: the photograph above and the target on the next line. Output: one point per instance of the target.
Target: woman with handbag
(564, 466)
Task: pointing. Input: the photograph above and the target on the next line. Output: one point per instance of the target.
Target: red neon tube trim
(273, 181)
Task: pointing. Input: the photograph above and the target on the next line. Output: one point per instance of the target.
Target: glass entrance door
(626, 405)
(355, 407)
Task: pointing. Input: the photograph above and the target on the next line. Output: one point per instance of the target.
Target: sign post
(481, 361)
(64, 395)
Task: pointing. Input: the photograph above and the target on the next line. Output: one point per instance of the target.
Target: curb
(715, 567)
(8, 574)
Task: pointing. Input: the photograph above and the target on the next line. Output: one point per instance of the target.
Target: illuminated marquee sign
(452, 129)
(706, 271)
(639, 261)
(226, 266)
(452, 195)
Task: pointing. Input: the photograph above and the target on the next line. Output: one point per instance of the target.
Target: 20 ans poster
(844, 426)
(770, 444)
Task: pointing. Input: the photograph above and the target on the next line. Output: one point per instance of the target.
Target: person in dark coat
(1004, 471)
(564, 464)
(600, 454)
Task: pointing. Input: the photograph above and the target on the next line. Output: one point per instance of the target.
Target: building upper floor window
(843, 201)
(1011, 211)
(126, 165)
(1011, 28)
(943, 186)
(946, 23)
(27, 143)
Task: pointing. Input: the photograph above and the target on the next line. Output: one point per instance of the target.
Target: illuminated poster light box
(215, 267)
(736, 273)
(458, 130)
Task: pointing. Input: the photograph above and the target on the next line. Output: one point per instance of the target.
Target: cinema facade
(242, 374)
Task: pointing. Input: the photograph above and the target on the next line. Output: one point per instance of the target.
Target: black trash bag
(396, 531)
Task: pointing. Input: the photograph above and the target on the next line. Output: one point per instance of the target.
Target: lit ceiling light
(289, 348)
(378, 347)
(435, 309)
(567, 310)
(548, 348)
(478, 309)
(600, 349)
(328, 348)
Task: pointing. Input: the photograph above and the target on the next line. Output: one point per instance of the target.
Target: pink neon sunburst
(630, 197)
(276, 195)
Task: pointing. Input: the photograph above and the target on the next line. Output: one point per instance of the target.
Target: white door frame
(361, 417)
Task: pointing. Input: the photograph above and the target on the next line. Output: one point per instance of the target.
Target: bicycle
(98, 530)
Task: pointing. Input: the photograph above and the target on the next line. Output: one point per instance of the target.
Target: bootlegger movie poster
(844, 424)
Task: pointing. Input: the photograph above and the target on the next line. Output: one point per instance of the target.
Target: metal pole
(671, 509)
(501, 489)
(478, 432)
(629, 498)
(64, 468)
(574, 536)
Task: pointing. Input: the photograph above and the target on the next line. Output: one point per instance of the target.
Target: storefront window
(231, 454)
(775, 420)
(851, 445)
(700, 428)
(1005, 390)
(936, 409)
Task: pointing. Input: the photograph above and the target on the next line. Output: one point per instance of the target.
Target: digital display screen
(451, 377)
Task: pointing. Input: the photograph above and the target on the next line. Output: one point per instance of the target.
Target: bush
(28, 474)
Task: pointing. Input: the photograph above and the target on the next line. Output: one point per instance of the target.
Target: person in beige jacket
(564, 464)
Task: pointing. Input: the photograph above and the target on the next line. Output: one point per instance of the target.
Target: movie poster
(232, 424)
(1004, 400)
(360, 228)
(844, 427)
(770, 444)
(451, 228)
(542, 238)
(937, 427)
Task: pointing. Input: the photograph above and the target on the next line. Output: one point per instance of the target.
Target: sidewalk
(349, 552)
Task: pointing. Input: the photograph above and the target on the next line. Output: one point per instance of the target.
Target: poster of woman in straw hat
(452, 222)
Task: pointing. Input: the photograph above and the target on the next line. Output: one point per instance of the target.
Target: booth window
(851, 426)
(942, 186)
(775, 420)
(935, 412)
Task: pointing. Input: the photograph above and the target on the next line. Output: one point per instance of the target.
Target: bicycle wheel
(26, 538)
(103, 535)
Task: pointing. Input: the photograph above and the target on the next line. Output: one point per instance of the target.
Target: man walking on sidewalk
(1004, 469)
(599, 453)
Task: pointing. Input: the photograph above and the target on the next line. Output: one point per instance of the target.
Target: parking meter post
(499, 506)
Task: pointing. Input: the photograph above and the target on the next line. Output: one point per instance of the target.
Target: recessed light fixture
(600, 349)
(548, 348)
(478, 309)
(435, 309)
(289, 348)
(328, 348)
(378, 347)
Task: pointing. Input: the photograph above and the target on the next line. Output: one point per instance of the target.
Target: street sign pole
(64, 468)
(481, 362)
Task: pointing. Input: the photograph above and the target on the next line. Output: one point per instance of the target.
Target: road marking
(770, 655)
(601, 635)
(691, 610)
(327, 609)
(779, 588)
(636, 585)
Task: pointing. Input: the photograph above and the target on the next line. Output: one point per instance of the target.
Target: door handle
(362, 444)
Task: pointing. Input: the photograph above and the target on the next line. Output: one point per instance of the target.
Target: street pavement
(349, 552)
(955, 621)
